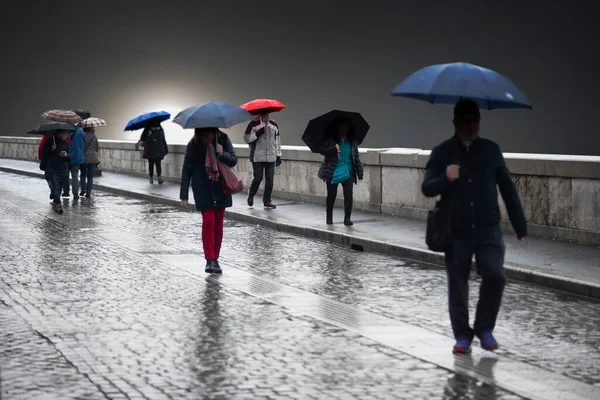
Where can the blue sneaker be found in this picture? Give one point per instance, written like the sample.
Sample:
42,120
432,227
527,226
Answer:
462,346
487,340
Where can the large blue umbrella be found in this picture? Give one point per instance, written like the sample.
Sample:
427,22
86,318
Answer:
215,114
449,83
143,120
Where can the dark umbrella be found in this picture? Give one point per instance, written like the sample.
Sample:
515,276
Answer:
143,120
450,83
82,112
318,128
51,127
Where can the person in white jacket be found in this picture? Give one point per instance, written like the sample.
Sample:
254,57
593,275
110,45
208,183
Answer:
262,134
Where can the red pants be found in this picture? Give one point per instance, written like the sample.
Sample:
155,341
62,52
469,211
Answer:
212,232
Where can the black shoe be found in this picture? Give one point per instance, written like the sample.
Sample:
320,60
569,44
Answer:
76,197
82,193
250,201
66,195
51,196
348,221
209,267
329,219
88,195
151,180
216,267
160,181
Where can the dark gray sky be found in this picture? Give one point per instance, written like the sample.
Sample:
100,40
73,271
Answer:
123,58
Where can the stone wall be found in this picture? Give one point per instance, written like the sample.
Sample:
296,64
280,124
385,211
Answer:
560,193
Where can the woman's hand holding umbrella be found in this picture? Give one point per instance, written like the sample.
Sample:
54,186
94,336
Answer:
219,149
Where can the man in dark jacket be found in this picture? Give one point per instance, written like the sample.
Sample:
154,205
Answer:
467,170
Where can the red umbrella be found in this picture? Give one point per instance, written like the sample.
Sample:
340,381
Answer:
267,105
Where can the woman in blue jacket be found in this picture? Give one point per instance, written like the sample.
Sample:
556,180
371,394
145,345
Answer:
207,147
78,140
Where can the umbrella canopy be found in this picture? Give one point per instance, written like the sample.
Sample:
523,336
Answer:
212,115
65,116
143,120
449,83
266,105
92,122
318,128
82,112
51,127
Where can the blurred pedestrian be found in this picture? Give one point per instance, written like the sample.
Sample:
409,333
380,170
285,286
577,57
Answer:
90,161
78,141
262,134
207,147
155,148
466,171
56,153
341,153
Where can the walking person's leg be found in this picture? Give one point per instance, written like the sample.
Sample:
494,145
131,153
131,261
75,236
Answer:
58,188
208,238
65,185
458,267
219,221
151,169
83,179
158,163
489,257
269,179
258,172
330,202
89,170
348,186
75,180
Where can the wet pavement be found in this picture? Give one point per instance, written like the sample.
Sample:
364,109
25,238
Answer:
109,301
546,258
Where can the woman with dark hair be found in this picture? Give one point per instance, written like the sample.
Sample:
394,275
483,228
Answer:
155,148
340,151
207,147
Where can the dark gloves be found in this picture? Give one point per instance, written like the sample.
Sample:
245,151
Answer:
260,132
278,162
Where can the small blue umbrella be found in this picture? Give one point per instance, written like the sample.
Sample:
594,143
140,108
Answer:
143,120
449,83
214,114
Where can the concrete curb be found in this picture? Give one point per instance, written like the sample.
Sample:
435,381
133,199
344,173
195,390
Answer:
362,242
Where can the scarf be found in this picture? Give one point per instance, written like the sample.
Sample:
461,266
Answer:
210,162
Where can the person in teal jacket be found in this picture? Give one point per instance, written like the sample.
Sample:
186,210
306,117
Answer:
78,140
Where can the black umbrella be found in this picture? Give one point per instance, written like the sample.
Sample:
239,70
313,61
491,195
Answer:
82,112
319,128
51,127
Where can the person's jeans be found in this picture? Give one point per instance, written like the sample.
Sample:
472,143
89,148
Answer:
75,168
87,177
260,170
489,252
212,232
151,163
332,190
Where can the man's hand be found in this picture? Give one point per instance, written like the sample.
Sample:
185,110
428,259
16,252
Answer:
452,172
337,147
54,147
63,154
219,149
278,162
258,127
184,203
